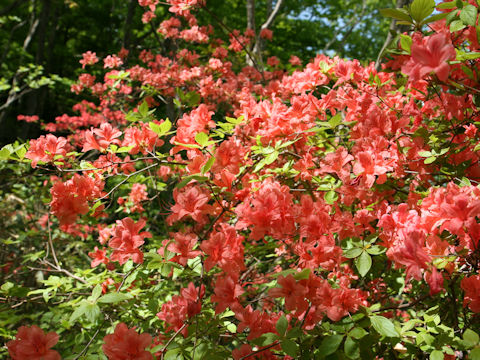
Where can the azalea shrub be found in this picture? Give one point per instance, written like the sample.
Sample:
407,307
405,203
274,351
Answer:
196,207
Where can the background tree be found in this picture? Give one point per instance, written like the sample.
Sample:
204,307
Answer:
41,42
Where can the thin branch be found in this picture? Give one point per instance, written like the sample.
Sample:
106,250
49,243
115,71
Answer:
261,350
12,6
90,341
272,16
125,180
351,25
252,58
104,319
171,339
51,242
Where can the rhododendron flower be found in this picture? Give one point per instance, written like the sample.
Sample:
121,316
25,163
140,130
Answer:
46,148
293,292
295,61
369,165
112,61
137,195
191,201
256,321
237,41
266,34
471,286
188,304
410,252
429,54
89,58
224,249
100,139
28,118
127,239
70,199
268,211
98,256
227,291
183,245
273,61
141,139
31,343
127,344
181,7
148,16
199,120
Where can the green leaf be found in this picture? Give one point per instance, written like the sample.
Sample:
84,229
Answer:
351,348
282,325
398,14
447,5
92,311
4,154
330,197
436,355
208,164
335,120
363,263
161,129
290,347
295,333
21,151
114,297
425,153
474,354
330,344
189,178
470,338
95,207
376,250
357,333
420,9
143,109
405,42
233,120
270,158
435,18
302,275
97,291
79,311
173,354
352,253
430,160
383,326
188,146
265,339
469,15
202,139
7,286
462,55
166,126
457,25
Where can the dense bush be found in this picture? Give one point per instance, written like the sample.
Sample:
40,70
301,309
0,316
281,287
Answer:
199,208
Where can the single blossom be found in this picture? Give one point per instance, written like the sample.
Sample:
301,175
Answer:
31,343
430,54
127,344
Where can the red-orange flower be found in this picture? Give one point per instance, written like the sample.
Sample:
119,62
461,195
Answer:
31,343
430,54
126,344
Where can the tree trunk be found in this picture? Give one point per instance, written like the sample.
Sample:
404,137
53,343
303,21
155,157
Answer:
250,25
127,29
257,49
